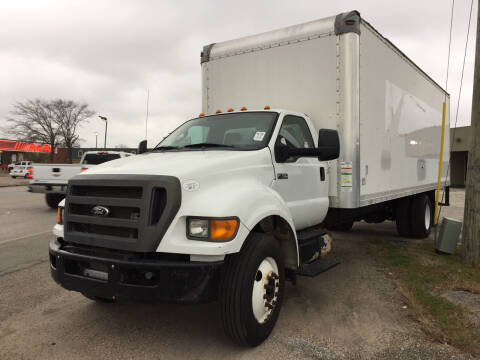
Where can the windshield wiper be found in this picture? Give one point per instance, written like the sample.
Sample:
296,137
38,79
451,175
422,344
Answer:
165,148
200,145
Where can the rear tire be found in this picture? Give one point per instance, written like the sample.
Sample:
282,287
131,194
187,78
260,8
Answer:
403,217
251,290
13,177
345,227
421,216
53,199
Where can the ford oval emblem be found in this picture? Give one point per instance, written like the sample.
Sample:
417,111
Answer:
100,211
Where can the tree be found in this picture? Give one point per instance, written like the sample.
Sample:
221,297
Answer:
471,224
68,115
34,121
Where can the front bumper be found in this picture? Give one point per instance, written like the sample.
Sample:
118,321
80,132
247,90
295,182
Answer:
134,278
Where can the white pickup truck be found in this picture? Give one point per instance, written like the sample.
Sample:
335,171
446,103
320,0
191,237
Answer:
234,202
52,179
22,169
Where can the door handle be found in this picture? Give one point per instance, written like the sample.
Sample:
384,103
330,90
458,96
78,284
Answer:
282,176
322,174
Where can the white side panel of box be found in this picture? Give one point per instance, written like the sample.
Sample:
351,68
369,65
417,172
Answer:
400,123
299,76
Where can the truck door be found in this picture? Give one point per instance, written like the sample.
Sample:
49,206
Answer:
302,182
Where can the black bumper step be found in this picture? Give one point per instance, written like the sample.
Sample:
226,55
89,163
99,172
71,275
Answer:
317,267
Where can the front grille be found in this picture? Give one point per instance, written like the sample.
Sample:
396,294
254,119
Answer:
133,192
104,230
125,212
118,212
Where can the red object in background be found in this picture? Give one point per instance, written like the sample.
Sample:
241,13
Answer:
13,145
30,173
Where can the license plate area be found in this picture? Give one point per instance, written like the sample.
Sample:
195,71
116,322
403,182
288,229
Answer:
94,270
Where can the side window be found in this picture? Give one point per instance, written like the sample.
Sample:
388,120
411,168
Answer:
295,133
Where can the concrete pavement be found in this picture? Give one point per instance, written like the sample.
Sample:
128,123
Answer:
351,312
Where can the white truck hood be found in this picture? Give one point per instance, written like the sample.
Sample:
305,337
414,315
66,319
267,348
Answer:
185,164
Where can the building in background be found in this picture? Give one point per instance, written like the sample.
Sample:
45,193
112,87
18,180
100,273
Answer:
460,139
12,151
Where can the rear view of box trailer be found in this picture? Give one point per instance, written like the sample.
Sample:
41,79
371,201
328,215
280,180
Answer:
344,75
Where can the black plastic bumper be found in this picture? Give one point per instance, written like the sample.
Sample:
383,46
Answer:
143,280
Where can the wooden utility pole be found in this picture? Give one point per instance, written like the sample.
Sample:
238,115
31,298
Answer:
471,224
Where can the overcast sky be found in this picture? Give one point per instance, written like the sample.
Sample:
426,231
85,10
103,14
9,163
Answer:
108,53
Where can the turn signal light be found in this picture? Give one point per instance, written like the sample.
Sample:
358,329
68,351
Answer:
218,111
230,110
201,114
223,229
243,108
267,107
60,216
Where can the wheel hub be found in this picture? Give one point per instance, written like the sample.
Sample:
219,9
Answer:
265,290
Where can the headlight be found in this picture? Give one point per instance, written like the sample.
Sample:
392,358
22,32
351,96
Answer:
212,229
60,215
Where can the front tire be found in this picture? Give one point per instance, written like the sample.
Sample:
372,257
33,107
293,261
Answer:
99,299
251,290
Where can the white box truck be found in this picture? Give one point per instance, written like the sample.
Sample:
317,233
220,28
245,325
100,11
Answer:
234,202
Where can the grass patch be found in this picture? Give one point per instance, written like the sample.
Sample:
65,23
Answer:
422,276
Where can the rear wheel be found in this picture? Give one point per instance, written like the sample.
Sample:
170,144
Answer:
421,216
53,199
345,226
251,290
403,217
13,177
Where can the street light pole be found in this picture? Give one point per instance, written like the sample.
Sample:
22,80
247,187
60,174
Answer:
106,122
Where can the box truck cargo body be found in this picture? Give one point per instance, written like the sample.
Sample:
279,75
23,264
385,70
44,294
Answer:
303,129
387,111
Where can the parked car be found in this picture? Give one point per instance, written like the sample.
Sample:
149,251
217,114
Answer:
24,171
52,179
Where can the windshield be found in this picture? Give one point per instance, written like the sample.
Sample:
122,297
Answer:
247,131
96,159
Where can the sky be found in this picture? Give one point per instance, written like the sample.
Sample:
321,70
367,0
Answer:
108,53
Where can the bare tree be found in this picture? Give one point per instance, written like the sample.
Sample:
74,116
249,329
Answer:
68,115
34,121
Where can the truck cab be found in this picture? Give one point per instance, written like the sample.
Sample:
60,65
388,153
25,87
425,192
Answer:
225,189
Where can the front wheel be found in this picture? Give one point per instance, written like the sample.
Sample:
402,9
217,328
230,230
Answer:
99,299
251,290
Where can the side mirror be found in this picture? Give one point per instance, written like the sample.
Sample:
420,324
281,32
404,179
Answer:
328,144
328,148
142,147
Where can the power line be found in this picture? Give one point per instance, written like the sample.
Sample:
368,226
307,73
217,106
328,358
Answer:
460,89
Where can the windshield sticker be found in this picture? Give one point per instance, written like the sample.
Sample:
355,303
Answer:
259,135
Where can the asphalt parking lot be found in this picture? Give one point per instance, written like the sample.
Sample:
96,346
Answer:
351,312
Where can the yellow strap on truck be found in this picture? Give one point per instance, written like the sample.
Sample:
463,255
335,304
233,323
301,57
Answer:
440,163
